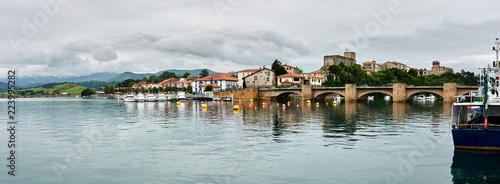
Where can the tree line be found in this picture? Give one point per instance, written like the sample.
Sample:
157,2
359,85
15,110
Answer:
342,74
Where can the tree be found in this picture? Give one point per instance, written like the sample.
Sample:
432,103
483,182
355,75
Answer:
204,73
186,75
87,92
208,88
168,75
278,68
112,89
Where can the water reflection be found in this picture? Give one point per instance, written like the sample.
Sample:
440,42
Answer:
475,167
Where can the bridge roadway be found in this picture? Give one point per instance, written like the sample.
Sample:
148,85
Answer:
399,92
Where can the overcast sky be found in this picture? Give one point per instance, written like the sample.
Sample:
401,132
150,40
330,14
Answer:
72,37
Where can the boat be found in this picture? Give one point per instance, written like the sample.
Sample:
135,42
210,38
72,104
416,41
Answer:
476,117
161,97
181,96
150,97
140,97
371,98
421,97
430,97
130,98
387,98
338,98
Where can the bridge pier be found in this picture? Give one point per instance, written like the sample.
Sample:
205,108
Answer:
307,92
351,93
399,92
449,92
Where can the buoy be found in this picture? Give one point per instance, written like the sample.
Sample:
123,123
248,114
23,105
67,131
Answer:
317,103
308,101
178,103
236,107
255,108
222,102
251,100
201,102
277,104
271,107
326,104
297,105
334,102
288,103
283,106
204,106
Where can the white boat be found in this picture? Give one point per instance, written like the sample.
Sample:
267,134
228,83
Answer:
150,97
140,97
338,98
421,97
387,98
161,97
181,96
130,98
430,97
371,98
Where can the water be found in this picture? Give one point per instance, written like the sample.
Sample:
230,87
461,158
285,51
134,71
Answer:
73,140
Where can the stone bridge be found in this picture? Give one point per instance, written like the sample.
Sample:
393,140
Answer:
352,92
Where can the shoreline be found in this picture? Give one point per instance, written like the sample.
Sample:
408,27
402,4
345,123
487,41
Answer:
40,96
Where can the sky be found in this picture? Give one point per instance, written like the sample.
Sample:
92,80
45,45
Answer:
74,38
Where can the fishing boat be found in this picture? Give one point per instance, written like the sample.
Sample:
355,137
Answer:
476,117
130,98
140,97
150,97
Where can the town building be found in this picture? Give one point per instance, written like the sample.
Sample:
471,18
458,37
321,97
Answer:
244,73
290,79
436,69
193,77
291,69
261,78
225,82
349,58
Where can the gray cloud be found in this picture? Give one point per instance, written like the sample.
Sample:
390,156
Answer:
84,37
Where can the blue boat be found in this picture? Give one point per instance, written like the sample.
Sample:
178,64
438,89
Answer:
476,117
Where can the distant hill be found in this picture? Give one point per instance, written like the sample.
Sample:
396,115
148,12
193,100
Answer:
26,82
131,75
3,86
96,84
52,88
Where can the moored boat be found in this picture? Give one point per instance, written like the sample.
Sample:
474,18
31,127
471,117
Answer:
150,97
140,97
371,98
430,97
161,97
130,98
387,98
421,97
476,118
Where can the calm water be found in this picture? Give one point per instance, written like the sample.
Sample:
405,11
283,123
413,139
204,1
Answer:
73,140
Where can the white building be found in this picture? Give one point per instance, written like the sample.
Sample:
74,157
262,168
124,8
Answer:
225,82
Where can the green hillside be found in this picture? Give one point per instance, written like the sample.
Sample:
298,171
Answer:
50,89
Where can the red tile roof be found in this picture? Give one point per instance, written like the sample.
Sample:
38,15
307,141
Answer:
217,76
249,70
289,66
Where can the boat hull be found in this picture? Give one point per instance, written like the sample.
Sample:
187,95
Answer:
476,139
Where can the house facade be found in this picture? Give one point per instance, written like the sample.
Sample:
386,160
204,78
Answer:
261,78
290,79
244,73
225,82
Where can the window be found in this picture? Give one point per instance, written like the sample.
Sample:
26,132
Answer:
255,78
296,79
248,83
268,73
267,79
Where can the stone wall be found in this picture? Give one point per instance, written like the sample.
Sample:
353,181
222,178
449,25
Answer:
241,94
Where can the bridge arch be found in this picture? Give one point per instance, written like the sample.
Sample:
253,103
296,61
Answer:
284,95
365,94
411,95
324,94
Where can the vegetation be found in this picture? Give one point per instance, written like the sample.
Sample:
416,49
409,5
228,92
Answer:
87,92
186,75
204,73
278,68
209,88
342,74
50,89
96,84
